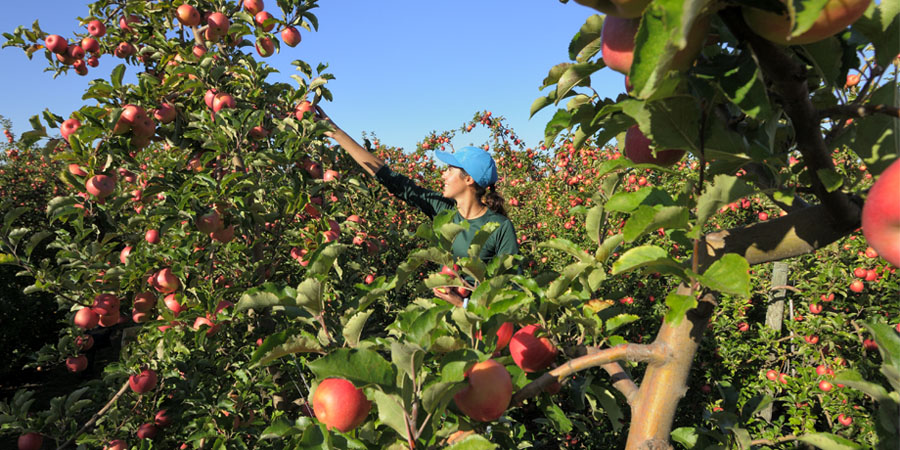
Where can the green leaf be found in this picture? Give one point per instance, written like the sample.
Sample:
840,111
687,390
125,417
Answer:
686,436
309,295
629,201
647,218
853,379
730,274
408,357
14,214
828,441
888,342
359,366
116,76
35,240
558,418
804,14
324,257
567,246
473,442
576,75
613,323
593,222
265,296
881,26
723,190
678,306
284,343
391,412
279,428
645,255
876,136
743,84
610,405
608,246
586,43
438,395
830,179
354,328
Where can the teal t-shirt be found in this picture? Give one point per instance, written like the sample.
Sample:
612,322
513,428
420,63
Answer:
501,242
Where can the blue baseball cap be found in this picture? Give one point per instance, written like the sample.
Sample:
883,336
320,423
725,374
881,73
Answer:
475,161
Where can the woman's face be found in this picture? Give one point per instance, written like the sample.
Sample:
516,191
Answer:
454,184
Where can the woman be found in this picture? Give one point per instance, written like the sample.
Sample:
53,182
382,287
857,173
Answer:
468,187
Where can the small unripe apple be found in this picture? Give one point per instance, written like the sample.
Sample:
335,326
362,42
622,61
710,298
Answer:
488,392
188,15
56,44
339,404
290,36
96,28
143,382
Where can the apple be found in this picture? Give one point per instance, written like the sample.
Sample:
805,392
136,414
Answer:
290,36
105,304
199,51
201,321
96,28
84,343
30,441
218,24
123,255
529,352
783,378
869,344
144,301
772,374
834,18
617,43
86,319
143,382
162,418
188,15
811,339
221,101
75,52
209,97
165,113
504,334
871,253
618,8
125,22
339,404
56,44
815,308
258,132
108,320
166,281
68,127
487,393
90,45
223,235
857,286
881,215
253,6
76,364
852,80
173,304
330,175
152,236
265,46
825,386
763,216
124,50
845,420
260,18
860,272
147,431
76,170
93,61
369,279
303,107
637,149
209,222
117,444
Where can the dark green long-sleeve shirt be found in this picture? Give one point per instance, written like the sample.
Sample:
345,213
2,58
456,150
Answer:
501,242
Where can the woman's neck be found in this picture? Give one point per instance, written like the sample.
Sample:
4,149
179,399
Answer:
470,208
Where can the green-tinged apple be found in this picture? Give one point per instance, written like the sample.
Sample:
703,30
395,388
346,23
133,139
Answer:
339,404
836,16
487,393
265,46
530,353
143,382
618,8
881,215
637,149
290,36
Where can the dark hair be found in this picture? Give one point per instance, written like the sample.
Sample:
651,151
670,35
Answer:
489,196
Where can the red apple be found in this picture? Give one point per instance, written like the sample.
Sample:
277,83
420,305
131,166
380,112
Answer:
172,303
265,46
125,22
530,353
369,279
124,50
96,28
835,17
487,393
852,80
772,374
618,8
84,343
845,420
68,127
166,281
857,286
30,441
165,113
162,418
188,15
90,45
815,308
617,43
76,170
330,175
123,255
504,334
117,444
209,97
152,236
637,149
260,18
223,235
881,215
339,404
253,6
825,386
147,431
222,101
303,107
76,364
143,382
290,36
210,222
218,23
56,44
144,301
86,319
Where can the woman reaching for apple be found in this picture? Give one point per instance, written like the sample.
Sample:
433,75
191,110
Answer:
469,187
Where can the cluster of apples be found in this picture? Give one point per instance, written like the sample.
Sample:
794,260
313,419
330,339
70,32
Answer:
217,25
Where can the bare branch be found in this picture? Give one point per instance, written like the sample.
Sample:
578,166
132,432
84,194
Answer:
96,416
621,381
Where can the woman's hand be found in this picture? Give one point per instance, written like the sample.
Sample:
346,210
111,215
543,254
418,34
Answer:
448,295
322,117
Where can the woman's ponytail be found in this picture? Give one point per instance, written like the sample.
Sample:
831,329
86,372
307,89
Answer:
491,198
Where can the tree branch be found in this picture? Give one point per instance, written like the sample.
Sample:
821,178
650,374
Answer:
621,381
97,416
857,111
656,352
797,233
789,80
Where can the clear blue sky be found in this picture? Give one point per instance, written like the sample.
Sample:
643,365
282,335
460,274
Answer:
403,68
